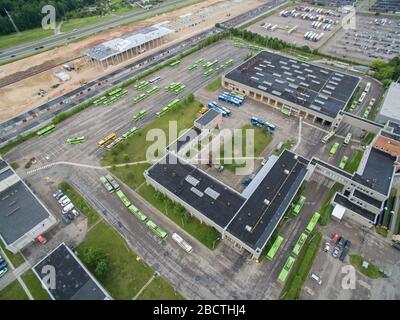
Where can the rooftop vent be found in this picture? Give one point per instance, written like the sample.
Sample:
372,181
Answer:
286,171
267,202
248,228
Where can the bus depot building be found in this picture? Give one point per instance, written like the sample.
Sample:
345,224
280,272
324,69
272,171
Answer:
293,87
23,217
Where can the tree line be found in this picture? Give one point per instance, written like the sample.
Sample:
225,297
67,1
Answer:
27,14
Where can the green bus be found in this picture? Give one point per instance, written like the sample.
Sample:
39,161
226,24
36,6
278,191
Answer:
156,229
299,244
139,115
123,198
229,62
106,184
163,111
193,67
47,130
175,63
137,213
343,162
286,269
76,140
152,91
141,85
129,133
299,205
140,98
198,61
313,222
334,149
208,72
274,249
174,103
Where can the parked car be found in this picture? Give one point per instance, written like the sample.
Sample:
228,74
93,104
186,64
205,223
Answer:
335,252
340,242
2,272
3,265
347,244
316,278
66,219
62,199
75,212
1,258
41,239
68,208
70,216
344,254
65,202
264,161
57,194
334,239
327,247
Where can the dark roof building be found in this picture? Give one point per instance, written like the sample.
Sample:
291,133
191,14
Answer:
248,218
292,83
22,215
72,279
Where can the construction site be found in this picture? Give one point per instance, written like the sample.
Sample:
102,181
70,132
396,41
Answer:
35,82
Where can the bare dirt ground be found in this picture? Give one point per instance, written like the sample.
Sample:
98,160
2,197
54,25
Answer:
23,96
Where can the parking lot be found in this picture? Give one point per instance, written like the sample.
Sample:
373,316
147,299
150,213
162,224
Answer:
333,272
373,38
298,21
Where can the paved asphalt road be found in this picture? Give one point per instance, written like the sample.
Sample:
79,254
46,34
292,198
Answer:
63,38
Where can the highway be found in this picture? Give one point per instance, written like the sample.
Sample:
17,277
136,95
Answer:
23,123
63,38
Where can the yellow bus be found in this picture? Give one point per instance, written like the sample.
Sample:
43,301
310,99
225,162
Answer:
110,138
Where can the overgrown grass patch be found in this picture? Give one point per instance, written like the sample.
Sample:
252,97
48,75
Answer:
214,85
16,259
80,203
371,272
202,232
128,274
327,208
160,289
354,162
13,291
35,286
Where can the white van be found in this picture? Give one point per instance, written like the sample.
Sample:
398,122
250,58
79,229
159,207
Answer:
65,202
316,278
68,207
62,199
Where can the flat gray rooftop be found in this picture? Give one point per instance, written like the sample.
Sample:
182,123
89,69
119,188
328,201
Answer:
316,88
206,118
390,107
20,211
73,281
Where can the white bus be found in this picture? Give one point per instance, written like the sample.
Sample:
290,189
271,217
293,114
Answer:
347,139
328,137
182,243
367,87
362,97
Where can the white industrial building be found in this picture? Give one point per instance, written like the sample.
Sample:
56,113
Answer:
23,217
128,46
390,110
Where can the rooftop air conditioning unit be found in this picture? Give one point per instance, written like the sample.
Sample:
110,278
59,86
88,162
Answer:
267,202
248,228
286,171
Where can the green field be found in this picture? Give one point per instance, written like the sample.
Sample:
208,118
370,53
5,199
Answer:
202,232
327,208
301,268
16,259
78,23
261,140
80,203
159,289
34,286
127,275
355,160
13,291
372,271
15,39
214,85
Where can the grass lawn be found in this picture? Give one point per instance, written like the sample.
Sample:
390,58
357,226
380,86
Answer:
34,286
15,39
327,208
13,291
301,268
78,23
16,259
352,165
372,271
397,223
80,203
202,232
134,149
261,140
127,275
160,289
287,145
214,85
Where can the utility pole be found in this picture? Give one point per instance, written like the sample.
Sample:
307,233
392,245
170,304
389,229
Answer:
12,21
